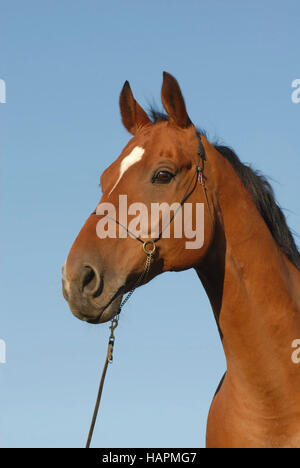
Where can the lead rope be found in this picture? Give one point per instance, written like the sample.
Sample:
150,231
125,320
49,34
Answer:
149,248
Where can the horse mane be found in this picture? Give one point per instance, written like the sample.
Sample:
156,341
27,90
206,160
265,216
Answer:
261,192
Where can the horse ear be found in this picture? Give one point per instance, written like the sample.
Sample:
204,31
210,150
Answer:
133,116
173,101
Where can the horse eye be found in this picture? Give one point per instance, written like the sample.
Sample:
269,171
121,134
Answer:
162,177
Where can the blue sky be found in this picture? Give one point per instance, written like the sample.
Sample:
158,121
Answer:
64,64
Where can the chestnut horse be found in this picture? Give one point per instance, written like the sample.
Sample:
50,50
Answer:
249,266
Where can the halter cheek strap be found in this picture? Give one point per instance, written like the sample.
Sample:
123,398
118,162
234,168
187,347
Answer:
200,170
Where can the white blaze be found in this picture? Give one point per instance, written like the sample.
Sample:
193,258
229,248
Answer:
132,158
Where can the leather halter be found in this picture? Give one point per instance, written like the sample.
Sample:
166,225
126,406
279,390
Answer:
149,248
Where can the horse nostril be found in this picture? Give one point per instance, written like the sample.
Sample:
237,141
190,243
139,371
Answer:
91,281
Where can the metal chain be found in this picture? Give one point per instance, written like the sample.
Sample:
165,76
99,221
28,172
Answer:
139,281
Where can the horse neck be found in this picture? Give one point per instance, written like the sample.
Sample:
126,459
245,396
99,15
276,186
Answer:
253,288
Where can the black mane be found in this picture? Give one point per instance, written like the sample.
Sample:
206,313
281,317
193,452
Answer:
261,193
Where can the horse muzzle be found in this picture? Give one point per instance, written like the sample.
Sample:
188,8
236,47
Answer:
84,292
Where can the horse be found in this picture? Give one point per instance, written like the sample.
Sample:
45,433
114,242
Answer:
248,264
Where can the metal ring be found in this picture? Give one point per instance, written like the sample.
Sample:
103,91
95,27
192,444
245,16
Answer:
151,250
